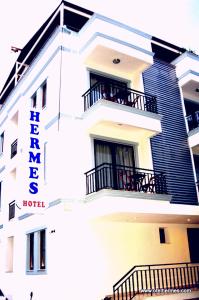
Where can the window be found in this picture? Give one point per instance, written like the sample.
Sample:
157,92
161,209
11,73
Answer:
36,251
39,98
9,254
0,193
34,100
162,235
1,142
13,148
11,210
43,94
45,162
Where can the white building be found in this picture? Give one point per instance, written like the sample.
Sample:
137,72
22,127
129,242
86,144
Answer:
94,185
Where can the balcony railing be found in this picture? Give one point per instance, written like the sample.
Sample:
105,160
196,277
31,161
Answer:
119,94
13,148
193,120
119,177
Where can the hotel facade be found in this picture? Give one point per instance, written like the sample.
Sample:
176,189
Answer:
99,163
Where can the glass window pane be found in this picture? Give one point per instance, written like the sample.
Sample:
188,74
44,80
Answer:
31,251
42,249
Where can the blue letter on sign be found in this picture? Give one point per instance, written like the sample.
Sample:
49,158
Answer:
34,158
33,173
33,188
34,116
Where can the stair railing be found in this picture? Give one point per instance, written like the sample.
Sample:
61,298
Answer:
157,279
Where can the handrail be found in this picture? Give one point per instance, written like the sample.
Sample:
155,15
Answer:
113,92
156,278
122,177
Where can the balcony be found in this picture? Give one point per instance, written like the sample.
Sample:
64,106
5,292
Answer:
118,177
193,134
120,111
103,39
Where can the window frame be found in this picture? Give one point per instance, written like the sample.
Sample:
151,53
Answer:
11,214
34,100
0,193
163,235
36,252
44,94
1,142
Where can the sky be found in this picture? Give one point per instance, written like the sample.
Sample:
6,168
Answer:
176,21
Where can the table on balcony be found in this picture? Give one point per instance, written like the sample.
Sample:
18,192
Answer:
122,97
134,182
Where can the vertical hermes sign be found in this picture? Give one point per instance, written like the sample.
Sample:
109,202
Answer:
32,196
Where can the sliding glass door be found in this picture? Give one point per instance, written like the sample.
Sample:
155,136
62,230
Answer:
111,161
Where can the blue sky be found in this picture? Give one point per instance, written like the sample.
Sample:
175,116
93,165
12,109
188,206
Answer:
176,21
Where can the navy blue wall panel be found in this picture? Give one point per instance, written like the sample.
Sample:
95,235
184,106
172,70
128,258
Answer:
170,149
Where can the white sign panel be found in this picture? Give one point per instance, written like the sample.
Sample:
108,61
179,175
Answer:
31,196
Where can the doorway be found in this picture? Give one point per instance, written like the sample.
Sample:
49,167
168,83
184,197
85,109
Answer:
111,160
193,239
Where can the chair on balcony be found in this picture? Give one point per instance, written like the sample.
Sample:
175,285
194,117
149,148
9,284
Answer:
151,186
134,103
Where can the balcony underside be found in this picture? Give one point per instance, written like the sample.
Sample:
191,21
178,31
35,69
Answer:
190,84
132,62
193,139
124,206
114,120
187,70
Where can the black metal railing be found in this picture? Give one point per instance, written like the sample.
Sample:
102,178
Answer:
11,213
193,120
119,177
13,148
119,94
154,279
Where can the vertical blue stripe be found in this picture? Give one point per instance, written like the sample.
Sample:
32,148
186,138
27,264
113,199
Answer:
170,150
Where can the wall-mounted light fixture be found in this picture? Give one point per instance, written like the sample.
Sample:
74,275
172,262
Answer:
116,61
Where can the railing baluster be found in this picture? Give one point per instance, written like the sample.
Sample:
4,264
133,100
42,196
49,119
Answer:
191,277
122,292
154,282
126,290
129,284
150,280
188,276
133,285
166,278
137,282
184,275
170,279
174,279
162,276
195,276
177,279
141,279
158,276
146,281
